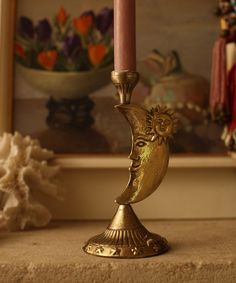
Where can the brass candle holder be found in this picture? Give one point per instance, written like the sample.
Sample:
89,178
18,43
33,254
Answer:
126,237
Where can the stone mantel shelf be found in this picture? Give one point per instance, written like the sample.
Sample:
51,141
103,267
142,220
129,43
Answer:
202,252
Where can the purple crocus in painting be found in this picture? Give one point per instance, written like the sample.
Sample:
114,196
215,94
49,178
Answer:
26,27
43,30
88,13
72,46
104,20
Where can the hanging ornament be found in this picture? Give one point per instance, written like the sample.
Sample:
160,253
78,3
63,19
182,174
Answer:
223,79
218,93
229,134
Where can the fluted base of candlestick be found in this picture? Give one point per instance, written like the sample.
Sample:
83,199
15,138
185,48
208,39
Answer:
126,237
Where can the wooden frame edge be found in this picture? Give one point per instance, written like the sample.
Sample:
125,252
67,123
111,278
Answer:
8,10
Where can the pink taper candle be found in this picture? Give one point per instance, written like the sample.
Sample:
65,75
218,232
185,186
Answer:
124,35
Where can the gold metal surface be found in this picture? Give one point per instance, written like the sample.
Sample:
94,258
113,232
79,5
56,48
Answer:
150,150
126,237
125,82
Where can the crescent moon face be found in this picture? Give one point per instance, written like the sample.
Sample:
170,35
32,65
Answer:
149,153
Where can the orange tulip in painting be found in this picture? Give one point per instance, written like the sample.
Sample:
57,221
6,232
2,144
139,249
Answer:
47,59
96,53
83,24
61,16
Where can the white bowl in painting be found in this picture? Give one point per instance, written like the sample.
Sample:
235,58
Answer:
66,85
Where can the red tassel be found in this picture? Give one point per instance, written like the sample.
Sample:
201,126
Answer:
229,134
232,98
218,93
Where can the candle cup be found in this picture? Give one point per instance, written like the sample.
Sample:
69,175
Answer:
125,82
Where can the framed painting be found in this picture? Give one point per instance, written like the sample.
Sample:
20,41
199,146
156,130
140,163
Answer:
56,59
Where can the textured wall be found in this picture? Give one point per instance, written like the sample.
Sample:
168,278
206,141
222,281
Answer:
184,193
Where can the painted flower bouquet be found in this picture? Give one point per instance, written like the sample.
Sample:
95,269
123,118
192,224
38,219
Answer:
66,43
67,57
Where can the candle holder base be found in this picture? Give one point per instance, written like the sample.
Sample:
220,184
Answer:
126,237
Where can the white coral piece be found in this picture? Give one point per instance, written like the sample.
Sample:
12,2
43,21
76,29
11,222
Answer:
25,168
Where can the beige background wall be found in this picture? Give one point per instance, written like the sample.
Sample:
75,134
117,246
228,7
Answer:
185,193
